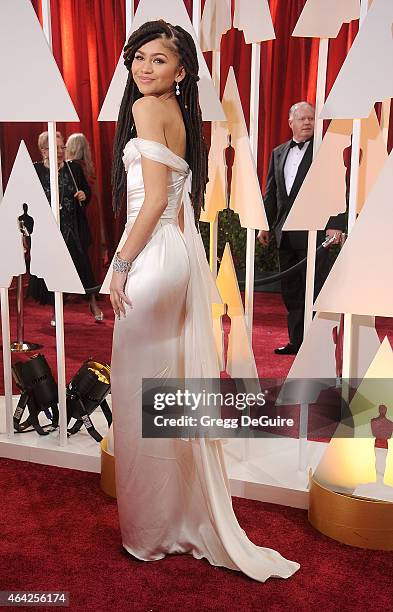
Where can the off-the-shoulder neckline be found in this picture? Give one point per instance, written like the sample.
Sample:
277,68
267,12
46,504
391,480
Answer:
162,145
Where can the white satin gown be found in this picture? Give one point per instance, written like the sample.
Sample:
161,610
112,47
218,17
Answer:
173,495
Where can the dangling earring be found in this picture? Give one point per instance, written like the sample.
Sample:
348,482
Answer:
177,89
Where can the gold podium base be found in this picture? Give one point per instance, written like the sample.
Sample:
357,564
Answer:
108,483
366,523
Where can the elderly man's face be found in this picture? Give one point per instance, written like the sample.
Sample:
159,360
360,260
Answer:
302,123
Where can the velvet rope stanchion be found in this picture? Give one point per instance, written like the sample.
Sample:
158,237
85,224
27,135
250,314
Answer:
259,282
365,523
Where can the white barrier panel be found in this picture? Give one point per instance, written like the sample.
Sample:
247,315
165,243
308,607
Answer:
216,20
253,17
366,75
33,88
321,19
360,280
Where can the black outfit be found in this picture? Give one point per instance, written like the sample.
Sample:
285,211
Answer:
73,225
292,245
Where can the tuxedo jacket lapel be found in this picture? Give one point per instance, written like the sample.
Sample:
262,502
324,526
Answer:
301,171
281,164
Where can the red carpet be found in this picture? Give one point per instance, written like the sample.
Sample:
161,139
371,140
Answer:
84,338
74,545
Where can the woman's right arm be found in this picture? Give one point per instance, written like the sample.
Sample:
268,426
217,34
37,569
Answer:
149,122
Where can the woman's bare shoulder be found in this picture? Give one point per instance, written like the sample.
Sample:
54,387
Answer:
146,104
149,117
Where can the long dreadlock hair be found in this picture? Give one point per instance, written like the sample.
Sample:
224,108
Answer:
196,152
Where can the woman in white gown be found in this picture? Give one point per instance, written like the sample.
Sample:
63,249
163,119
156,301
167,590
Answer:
173,495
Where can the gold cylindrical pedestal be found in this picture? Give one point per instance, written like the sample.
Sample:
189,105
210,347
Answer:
108,483
366,523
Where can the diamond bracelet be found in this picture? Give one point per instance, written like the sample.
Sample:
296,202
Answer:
121,265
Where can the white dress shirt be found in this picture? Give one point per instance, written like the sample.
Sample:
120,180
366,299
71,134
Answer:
292,163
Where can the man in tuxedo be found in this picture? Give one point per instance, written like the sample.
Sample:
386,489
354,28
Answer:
288,167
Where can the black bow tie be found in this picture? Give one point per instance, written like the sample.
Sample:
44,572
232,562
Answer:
297,144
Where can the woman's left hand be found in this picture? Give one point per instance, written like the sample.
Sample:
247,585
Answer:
80,195
117,296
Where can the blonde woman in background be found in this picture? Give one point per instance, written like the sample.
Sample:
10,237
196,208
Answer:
78,149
